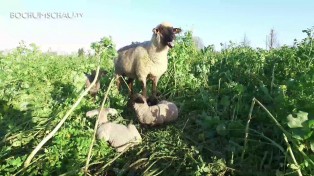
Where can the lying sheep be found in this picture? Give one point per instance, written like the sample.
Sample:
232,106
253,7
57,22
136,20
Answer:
90,78
158,114
146,60
119,136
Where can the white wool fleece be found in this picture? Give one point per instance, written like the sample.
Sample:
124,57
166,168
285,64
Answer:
147,59
119,136
161,113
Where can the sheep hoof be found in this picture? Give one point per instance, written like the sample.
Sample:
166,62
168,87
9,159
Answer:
152,100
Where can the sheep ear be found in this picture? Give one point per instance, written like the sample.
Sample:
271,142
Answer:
139,100
155,30
176,30
102,72
93,73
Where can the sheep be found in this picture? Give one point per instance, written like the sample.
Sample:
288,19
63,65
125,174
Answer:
119,136
161,113
147,59
90,78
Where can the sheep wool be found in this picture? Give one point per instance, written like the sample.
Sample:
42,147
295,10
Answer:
161,113
146,59
119,136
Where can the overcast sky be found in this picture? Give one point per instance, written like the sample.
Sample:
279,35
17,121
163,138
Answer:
214,21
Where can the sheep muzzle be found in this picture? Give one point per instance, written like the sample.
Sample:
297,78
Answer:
170,44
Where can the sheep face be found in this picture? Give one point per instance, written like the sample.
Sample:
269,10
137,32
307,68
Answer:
101,73
139,99
102,114
165,34
92,76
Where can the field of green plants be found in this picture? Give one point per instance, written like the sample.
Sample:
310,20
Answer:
243,111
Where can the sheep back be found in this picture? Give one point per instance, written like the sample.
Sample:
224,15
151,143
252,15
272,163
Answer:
119,136
143,113
164,112
140,60
129,58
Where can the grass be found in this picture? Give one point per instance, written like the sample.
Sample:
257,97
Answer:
219,131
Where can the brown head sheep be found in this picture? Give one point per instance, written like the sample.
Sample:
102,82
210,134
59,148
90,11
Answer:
148,59
119,136
90,78
163,112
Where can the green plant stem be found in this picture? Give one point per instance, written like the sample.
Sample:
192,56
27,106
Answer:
292,155
270,140
247,129
23,169
50,135
111,161
71,172
284,131
263,160
272,117
96,126
272,79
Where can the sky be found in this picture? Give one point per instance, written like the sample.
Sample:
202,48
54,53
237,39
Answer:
214,21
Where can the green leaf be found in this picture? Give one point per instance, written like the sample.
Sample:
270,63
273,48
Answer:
311,123
16,144
17,162
302,133
312,145
221,129
296,122
279,173
293,166
225,101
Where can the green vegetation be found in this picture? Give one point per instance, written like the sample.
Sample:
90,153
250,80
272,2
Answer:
243,111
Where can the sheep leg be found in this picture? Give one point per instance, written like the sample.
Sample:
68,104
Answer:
144,91
130,84
154,85
118,81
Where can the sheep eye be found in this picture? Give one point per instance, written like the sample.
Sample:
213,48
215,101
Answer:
176,30
155,30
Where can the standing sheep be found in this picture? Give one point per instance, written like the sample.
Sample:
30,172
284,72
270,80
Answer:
146,60
163,112
119,136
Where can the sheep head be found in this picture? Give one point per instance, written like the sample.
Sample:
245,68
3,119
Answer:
165,34
142,110
101,73
102,114
91,77
139,99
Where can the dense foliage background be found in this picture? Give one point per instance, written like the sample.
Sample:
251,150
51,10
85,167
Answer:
214,91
